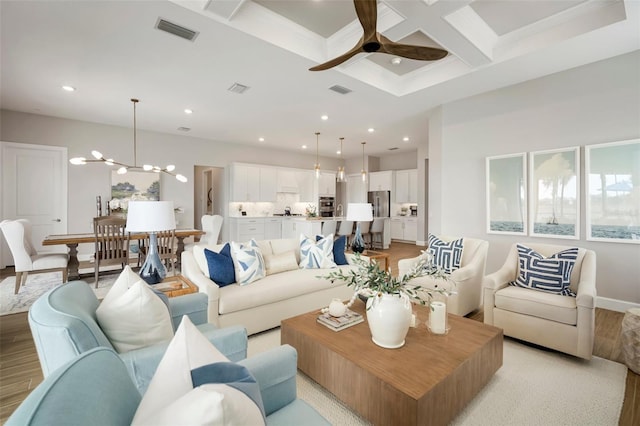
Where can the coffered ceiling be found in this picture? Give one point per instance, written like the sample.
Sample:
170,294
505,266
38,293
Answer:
111,51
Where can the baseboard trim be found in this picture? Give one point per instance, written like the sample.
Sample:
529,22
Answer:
615,304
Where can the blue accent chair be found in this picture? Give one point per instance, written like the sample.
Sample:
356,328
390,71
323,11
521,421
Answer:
95,389
64,325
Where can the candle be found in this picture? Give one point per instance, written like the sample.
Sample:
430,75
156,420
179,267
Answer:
438,317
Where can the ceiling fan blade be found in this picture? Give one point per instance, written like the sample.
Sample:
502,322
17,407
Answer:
340,59
367,11
421,53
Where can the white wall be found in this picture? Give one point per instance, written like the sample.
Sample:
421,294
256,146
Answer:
86,182
592,104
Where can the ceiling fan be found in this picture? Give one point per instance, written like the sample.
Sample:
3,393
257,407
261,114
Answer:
372,41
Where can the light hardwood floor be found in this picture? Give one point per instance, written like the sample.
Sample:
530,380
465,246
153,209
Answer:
20,370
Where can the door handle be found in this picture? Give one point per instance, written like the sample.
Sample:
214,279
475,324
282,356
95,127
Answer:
56,220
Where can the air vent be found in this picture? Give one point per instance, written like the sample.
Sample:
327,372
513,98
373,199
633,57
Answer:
184,129
176,29
238,88
340,89
393,149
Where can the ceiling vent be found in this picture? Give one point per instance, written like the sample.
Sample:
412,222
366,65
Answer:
184,129
238,88
340,89
393,149
176,29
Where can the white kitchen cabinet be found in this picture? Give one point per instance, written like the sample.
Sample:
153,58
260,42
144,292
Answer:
245,183
244,229
356,190
327,184
288,228
381,181
286,181
268,184
404,228
306,183
397,229
272,228
406,186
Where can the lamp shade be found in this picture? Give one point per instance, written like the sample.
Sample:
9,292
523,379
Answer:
360,212
150,216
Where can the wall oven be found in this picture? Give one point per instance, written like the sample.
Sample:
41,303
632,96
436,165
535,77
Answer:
326,206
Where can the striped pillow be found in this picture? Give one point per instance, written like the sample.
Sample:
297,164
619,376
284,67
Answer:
551,274
446,255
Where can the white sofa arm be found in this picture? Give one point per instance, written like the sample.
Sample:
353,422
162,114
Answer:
405,265
191,270
494,282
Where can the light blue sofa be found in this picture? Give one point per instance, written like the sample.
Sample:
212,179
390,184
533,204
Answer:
63,323
95,389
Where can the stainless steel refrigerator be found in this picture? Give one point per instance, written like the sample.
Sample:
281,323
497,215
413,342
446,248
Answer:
381,202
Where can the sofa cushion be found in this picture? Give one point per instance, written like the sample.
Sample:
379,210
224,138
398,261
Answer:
248,262
275,288
134,317
551,274
538,304
339,247
195,384
221,268
446,255
316,254
282,262
201,259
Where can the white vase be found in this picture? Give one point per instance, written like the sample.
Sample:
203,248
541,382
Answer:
389,318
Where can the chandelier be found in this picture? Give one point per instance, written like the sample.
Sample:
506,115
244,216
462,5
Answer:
99,158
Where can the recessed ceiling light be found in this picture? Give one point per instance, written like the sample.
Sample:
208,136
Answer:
371,130
188,111
69,88
338,152
406,139
396,61
304,147
325,117
261,139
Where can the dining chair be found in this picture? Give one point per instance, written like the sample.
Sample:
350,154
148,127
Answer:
166,249
112,243
211,225
26,259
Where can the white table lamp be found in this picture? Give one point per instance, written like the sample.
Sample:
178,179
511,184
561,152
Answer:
151,217
359,212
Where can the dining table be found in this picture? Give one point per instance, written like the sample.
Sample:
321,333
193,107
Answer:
72,241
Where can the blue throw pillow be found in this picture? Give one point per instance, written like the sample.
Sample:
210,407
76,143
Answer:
339,247
551,274
220,265
446,255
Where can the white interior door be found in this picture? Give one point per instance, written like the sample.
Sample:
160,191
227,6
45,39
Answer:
34,187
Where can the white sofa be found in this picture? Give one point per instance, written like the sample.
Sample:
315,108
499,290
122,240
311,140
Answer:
466,281
262,304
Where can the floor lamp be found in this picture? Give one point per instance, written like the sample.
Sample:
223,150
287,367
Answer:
151,217
359,212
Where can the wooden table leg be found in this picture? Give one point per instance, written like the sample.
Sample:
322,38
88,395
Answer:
73,264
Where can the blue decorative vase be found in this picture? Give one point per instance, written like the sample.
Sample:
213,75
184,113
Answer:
153,270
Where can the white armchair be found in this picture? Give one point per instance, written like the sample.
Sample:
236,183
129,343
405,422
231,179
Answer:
25,258
466,281
563,323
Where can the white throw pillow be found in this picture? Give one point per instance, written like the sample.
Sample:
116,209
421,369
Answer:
316,254
248,262
133,316
276,263
171,398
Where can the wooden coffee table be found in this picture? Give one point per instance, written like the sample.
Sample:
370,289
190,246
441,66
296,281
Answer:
428,381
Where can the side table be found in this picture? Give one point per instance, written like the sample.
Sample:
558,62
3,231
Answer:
176,285
377,256
631,339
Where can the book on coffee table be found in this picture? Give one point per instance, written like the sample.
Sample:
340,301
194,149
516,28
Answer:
340,323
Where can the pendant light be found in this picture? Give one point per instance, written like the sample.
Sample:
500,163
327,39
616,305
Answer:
340,177
98,157
363,172
316,168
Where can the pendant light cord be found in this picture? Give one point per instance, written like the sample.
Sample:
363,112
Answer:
135,142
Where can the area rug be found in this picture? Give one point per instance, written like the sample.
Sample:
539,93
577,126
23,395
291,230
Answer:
37,285
533,387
